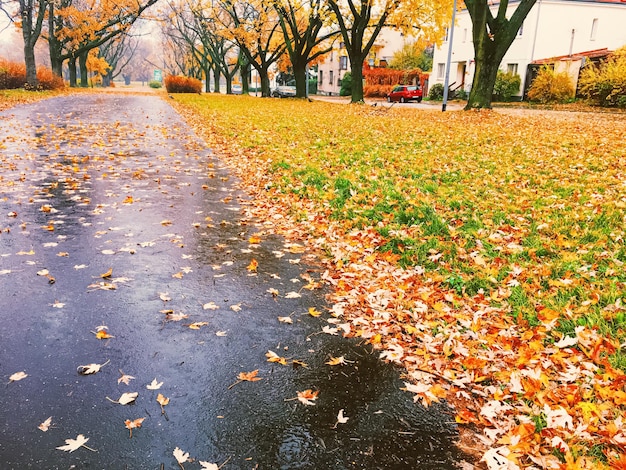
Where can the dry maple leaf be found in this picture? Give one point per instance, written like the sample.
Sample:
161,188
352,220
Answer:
163,401
107,274
208,465
164,296
247,377
236,307
91,368
254,240
154,385
285,320
314,312
197,325
341,419
18,376
176,316
46,424
273,357
103,334
125,378
210,306
307,397
125,398
130,425
252,267
180,456
292,295
72,444
336,361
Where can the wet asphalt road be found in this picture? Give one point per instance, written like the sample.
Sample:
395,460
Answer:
97,183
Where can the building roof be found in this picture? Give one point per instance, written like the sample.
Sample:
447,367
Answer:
595,54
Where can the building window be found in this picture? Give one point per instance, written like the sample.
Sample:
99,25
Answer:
330,80
441,70
445,37
339,81
343,62
321,77
594,29
511,68
520,31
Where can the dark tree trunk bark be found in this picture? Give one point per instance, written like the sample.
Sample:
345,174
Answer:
56,62
207,81
492,37
300,75
265,82
216,80
245,78
357,79
71,65
84,73
31,66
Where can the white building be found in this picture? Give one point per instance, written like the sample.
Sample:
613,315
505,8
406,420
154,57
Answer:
553,28
330,71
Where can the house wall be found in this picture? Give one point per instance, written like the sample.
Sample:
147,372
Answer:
336,64
552,28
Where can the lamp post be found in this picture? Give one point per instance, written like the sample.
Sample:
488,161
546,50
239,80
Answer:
447,77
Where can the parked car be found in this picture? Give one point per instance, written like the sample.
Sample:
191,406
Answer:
237,89
284,92
405,93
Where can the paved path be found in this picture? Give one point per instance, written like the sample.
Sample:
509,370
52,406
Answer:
115,219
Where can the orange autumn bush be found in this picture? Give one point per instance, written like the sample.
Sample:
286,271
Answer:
13,76
180,84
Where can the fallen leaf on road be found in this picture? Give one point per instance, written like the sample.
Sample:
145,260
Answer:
125,378
285,320
308,396
220,333
90,368
252,267
103,334
273,357
336,361
292,295
162,400
197,325
236,307
125,398
164,296
341,419
46,424
107,274
176,316
72,444
247,377
314,312
210,306
154,385
180,455
208,465
130,425
254,240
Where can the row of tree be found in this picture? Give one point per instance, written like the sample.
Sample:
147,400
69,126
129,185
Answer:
75,30
220,38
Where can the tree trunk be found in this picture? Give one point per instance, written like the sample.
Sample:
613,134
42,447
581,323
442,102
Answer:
31,66
84,73
485,73
71,65
245,78
216,80
265,82
56,62
207,79
357,80
299,72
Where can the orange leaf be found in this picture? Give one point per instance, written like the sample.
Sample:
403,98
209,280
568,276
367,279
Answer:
253,266
249,376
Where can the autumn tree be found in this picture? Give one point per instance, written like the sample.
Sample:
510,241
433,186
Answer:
361,21
30,19
302,23
492,36
256,30
79,26
118,54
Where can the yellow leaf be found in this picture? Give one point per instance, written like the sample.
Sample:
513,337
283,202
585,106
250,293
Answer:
314,312
273,357
107,274
252,267
254,240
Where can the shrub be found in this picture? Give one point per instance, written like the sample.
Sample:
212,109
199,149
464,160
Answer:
180,84
605,84
376,91
506,86
551,87
436,92
346,85
384,76
13,75
155,84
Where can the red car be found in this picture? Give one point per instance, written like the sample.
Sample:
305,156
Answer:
404,93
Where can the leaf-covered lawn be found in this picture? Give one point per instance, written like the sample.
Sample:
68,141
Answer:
10,98
483,251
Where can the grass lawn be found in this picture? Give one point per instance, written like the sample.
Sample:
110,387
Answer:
10,98
483,251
